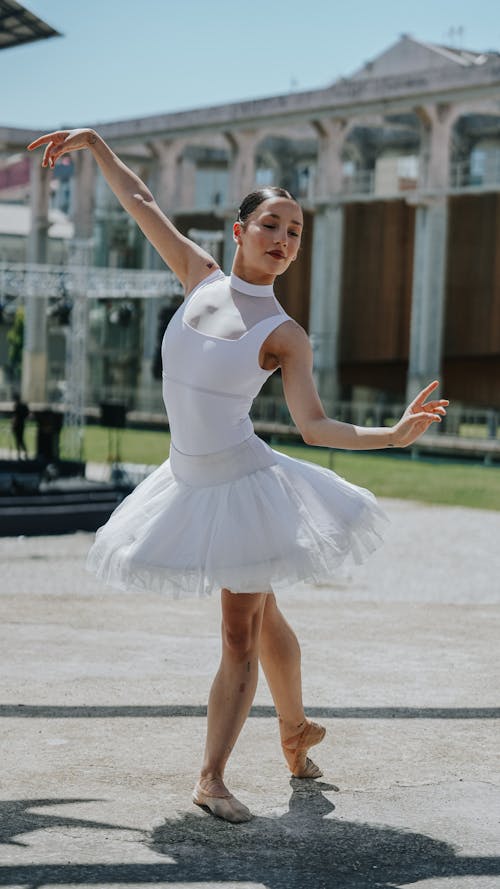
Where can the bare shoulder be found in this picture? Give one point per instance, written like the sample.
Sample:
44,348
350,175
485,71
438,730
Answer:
289,340
204,269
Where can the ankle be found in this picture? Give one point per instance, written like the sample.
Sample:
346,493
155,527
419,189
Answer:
211,774
290,728
213,785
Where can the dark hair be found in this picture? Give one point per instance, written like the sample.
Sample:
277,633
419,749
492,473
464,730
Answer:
252,200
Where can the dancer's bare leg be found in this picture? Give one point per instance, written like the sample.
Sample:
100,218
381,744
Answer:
281,661
230,699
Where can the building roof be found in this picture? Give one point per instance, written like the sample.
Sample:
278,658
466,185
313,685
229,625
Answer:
19,25
409,55
408,74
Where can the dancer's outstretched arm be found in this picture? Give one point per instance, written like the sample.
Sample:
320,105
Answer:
293,350
187,260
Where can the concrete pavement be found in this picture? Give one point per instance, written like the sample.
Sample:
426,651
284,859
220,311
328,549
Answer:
102,705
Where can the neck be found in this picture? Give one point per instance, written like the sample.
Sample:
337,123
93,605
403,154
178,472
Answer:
251,275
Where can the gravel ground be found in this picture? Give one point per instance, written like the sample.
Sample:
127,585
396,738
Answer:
102,725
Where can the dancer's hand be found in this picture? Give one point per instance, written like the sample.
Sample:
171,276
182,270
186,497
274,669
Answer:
418,416
187,260
62,141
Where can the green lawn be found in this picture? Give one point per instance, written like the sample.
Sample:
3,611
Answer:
457,484
135,445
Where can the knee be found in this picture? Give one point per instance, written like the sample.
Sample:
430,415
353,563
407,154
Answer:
240,638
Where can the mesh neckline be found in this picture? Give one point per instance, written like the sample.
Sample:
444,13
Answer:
251,289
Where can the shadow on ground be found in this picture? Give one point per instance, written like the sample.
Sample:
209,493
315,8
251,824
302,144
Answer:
17,818
307,846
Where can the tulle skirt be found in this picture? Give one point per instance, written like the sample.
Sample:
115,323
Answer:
248,518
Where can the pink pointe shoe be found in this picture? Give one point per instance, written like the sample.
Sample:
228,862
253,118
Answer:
296,747
226,807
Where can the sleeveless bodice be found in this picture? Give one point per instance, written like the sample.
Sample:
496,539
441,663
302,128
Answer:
226,511
209,379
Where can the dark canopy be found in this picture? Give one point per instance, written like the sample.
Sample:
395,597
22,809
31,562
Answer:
19,25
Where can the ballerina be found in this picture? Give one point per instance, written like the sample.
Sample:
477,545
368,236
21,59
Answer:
226,511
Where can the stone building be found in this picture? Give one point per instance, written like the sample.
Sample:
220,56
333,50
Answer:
397,168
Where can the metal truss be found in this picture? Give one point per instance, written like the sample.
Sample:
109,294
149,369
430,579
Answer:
73,286
19,281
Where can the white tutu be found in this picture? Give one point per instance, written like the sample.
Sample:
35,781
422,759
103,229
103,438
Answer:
248,518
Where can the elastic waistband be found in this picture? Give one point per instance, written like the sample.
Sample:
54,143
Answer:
206,470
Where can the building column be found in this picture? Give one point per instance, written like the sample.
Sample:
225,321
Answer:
327,254
34,367
186,175
84,195
77,366
429,262
229,245
428,292
164,183
148,394
165,179
326,299
436,129
331,135
242,171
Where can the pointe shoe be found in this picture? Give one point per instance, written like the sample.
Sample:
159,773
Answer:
296,755
227,807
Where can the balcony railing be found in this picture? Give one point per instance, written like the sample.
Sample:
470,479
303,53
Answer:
463,176
368,182
359,182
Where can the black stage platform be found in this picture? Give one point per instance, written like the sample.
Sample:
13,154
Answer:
36,498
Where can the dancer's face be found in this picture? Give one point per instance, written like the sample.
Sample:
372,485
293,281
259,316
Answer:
269,240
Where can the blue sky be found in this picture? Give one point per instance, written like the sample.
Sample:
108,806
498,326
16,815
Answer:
129,58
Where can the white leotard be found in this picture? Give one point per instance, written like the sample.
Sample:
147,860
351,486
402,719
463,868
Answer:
210,355
225,510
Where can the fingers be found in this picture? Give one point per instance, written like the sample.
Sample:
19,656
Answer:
424,415
50,140
436,405
58,136
50,156
37,142
434,408
418,416
424,393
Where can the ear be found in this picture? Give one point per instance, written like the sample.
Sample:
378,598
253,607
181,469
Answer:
237,232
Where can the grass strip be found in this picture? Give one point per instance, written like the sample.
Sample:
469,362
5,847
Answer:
387,474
